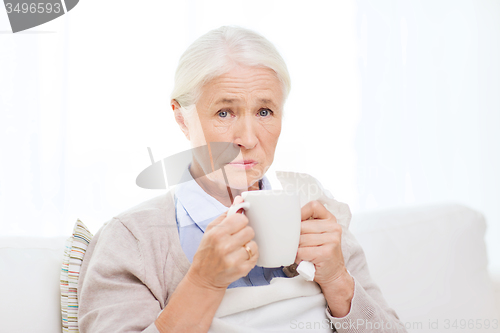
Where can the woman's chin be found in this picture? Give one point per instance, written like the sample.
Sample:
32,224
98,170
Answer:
236,178
241,184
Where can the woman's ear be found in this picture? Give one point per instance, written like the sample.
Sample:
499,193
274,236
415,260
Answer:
180,118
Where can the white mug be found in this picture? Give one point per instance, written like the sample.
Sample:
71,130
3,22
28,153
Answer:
275,217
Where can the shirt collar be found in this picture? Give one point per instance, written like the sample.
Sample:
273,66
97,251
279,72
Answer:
199,205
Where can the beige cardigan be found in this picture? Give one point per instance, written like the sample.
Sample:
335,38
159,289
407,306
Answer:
135,261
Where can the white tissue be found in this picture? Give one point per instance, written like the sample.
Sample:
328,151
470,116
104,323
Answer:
307,270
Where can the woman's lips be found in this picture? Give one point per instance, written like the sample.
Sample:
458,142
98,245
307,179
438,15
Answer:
243,164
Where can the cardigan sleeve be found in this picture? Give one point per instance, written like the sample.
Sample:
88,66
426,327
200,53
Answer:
369,311
113,295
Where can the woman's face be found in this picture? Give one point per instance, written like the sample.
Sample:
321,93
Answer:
244,107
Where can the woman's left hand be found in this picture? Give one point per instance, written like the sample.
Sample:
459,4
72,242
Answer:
320,243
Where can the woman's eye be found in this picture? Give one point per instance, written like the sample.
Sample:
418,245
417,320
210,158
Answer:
223,113
264,112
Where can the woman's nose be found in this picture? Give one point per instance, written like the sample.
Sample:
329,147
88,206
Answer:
245,133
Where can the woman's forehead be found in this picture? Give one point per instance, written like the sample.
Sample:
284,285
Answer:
242,85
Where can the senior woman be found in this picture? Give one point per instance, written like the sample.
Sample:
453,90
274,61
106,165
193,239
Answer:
167,264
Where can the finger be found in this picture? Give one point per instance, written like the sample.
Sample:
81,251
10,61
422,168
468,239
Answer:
308,240
319,227
314,253
234,223
254,251
241,258
239,239
216,221
237,200
248,263
315,210
243,236
233,243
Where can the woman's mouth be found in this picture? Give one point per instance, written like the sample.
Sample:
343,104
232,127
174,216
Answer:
243,164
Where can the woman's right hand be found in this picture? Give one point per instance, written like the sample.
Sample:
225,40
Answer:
221,257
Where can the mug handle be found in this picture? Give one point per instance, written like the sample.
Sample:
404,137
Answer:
233,209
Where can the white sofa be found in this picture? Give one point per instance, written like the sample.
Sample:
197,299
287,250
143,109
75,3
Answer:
430,262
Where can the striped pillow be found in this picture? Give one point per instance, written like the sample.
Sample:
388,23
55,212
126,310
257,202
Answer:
76,245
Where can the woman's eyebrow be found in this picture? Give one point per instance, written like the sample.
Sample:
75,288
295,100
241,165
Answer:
225,100
268,101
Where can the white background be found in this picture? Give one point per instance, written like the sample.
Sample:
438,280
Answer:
393,103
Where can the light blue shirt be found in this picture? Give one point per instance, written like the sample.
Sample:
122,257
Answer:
194,210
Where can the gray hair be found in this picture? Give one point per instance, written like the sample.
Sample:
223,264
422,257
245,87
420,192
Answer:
216,53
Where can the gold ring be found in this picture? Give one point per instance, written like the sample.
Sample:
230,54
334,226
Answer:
249,251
